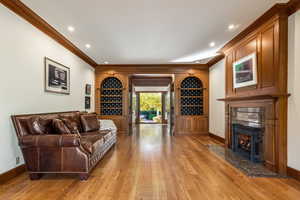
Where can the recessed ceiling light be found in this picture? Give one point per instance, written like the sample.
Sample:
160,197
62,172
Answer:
231,27
106,62
71,28
88,46
212,44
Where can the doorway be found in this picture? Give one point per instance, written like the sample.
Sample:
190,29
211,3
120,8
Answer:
151,100
151,106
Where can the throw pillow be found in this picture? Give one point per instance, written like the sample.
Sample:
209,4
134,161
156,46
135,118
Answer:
35,127
90,122
60,127
72,126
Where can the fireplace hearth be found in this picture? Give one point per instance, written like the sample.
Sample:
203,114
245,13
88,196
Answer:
248,132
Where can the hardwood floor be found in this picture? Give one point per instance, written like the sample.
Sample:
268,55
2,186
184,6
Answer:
152,165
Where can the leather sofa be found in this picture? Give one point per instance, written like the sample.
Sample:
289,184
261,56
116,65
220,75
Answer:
66,142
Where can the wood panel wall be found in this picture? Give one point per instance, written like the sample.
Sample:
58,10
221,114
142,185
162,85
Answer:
191,125
121,121
183,124
266,41
269,42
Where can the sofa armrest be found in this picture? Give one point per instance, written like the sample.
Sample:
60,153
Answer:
69,140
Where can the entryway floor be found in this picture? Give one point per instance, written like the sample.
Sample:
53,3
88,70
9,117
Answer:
152,165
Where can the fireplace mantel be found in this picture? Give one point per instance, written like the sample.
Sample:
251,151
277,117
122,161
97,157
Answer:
254,97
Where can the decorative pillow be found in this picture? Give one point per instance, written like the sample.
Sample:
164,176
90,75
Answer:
35,127
71,125
60,127
90,122
74,117
46,123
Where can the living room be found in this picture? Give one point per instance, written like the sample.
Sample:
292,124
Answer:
224,79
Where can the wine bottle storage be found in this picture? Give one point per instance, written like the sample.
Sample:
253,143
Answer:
111,96
191,96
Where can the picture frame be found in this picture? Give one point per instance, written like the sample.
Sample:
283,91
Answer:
87,102
245,71
88,89
57,77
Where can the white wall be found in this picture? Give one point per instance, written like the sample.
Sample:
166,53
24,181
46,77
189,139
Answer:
294,89
22,52
217,91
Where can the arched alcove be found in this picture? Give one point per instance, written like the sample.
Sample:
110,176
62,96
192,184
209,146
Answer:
111,96
191,96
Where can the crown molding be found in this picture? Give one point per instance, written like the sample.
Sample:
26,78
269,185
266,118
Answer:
215,59
293,6
29,15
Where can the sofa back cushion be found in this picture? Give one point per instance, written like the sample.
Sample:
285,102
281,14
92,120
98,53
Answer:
35,126
60,127
71,125
74,118
89,122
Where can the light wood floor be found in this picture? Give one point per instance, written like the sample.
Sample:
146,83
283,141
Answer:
152,165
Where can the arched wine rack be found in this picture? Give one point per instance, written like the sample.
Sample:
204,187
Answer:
111,96
191,96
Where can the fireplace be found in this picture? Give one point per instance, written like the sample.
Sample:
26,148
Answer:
248,132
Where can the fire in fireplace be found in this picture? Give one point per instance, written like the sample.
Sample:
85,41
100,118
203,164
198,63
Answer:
247,132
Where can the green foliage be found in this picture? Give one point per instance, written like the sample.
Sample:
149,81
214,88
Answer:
150,101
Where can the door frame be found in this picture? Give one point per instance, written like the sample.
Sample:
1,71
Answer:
163,103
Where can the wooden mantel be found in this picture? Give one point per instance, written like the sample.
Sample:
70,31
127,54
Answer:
255,97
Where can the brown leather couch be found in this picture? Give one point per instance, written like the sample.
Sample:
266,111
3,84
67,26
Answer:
49,148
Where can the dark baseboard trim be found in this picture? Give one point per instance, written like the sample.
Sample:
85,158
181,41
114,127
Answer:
294,173
12,173
218,138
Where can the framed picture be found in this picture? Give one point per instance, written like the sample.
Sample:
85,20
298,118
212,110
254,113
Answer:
88,89
245,71
87,104
57,77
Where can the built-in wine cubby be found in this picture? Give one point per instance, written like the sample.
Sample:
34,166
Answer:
111,96
191,96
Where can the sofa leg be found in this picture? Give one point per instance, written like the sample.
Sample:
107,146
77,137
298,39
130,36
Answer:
35,176
84,176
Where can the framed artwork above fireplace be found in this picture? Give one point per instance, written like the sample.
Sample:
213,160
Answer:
245,71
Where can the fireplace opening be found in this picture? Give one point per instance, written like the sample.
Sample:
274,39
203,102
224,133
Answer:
248,133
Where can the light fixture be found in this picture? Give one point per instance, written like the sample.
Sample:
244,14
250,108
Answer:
88,46
231,27
71,28
105,62
212,44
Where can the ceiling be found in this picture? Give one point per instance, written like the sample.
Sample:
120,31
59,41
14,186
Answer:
150,32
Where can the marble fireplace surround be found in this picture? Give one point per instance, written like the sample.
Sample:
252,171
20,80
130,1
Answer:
274,139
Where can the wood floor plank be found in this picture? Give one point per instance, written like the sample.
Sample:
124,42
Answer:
151,165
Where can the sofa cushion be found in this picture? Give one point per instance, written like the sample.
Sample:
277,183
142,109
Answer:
60,127
106,134
74,117
72,126
89,122
92,143
35,127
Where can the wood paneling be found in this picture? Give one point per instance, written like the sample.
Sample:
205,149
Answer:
23,11
185,125
269,42
122,122
192,125
150,69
